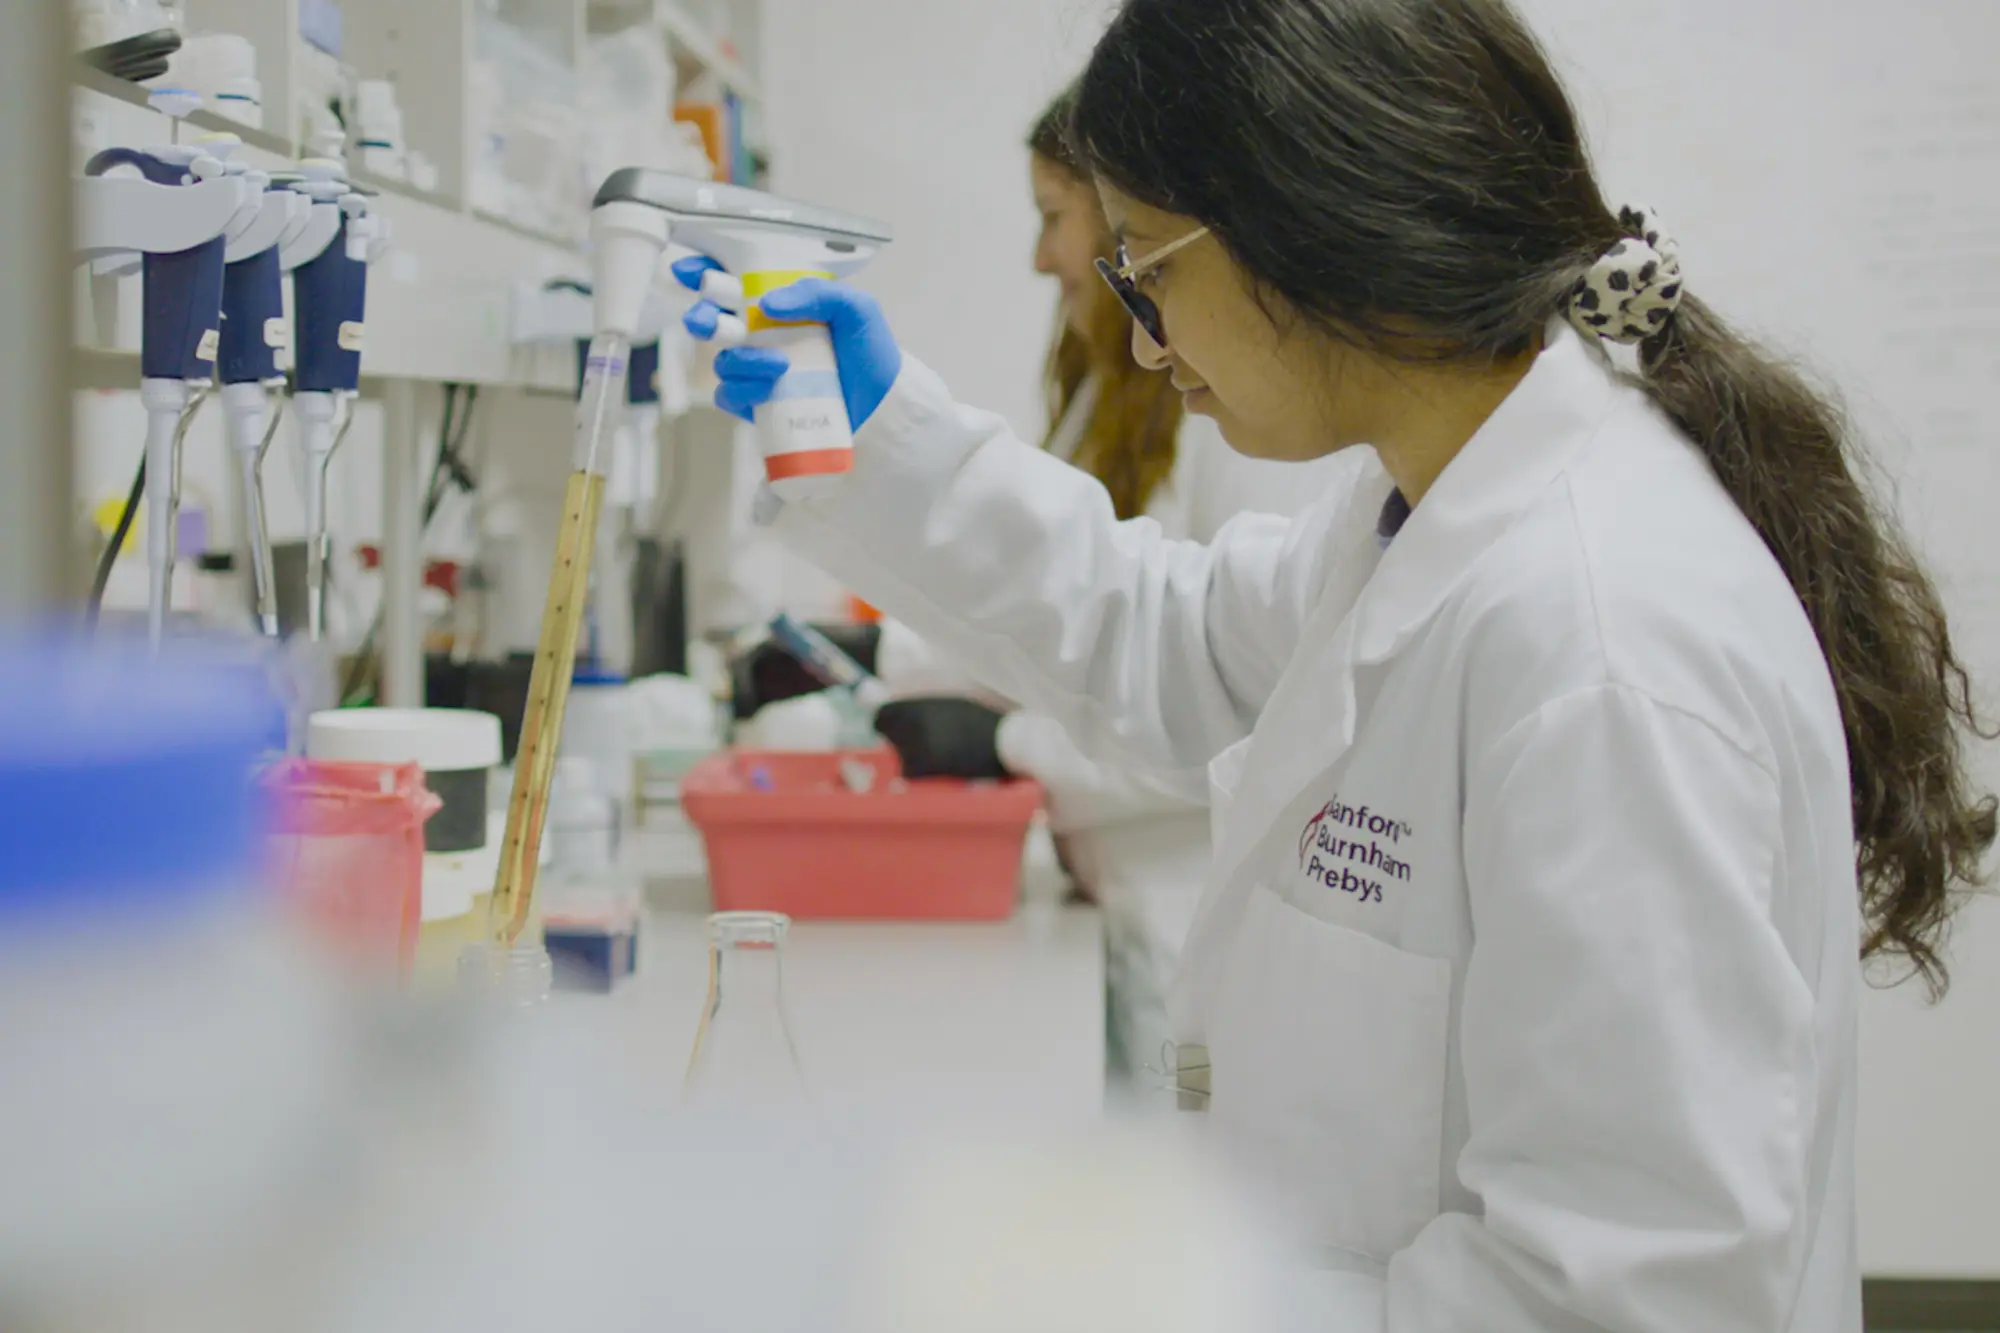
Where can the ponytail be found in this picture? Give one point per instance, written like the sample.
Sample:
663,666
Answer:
1382,168
1780,450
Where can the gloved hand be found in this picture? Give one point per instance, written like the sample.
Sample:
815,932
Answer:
768,674
943,738
863,347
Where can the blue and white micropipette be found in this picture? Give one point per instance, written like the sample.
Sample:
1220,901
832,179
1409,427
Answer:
177,215
253,332
329,307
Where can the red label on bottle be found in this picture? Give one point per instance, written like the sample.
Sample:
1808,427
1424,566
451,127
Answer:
809,463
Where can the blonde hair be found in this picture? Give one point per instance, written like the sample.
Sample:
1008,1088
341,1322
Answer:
1130,442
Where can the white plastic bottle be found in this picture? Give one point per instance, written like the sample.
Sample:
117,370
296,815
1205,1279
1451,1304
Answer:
803,431
582,822
806,438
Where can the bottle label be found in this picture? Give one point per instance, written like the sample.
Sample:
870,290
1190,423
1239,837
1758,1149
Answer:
757,284
809,463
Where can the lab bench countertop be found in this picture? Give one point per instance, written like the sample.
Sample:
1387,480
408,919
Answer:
967,1019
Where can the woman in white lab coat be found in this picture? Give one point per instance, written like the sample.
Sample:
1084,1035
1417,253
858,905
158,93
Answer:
1138,847
1564,764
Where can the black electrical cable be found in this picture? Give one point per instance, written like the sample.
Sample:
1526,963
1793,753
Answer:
444,447
110,557
450,468
449,464
454,460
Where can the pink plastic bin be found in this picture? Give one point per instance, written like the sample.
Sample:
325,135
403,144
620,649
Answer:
784,834
347,852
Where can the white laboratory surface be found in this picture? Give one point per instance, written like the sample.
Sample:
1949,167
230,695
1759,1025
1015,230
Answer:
963,1019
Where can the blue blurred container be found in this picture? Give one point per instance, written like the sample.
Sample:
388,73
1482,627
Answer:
125,784
177,1069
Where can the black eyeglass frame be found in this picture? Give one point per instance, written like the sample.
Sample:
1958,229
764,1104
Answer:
1122,277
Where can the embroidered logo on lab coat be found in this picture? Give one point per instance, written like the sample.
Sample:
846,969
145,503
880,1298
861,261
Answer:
1352,850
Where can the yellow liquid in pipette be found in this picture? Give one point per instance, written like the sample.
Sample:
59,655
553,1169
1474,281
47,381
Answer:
548,694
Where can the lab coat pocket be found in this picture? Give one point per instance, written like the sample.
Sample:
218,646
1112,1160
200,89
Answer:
1328,1053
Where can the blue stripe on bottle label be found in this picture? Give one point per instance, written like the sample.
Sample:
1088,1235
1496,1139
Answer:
806,384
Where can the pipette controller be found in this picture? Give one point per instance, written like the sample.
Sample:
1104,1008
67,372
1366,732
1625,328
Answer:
765,242
636,213
634,449
563,307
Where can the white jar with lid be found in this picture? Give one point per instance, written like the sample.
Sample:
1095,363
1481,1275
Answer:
222,67
458,749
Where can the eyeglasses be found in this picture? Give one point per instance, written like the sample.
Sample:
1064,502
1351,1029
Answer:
1122,278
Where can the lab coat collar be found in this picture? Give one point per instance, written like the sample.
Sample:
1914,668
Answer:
1502,470
1306,725
1309,722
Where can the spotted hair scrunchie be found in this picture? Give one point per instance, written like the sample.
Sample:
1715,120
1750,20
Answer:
1631,293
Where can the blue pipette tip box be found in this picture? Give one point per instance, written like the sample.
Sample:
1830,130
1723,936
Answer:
592,956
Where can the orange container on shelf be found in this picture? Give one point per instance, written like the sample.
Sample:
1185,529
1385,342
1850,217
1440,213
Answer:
709,118
786,833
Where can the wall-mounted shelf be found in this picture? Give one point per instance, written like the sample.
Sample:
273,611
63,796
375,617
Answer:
133,94
380,184
697,47
439,308
487,90
526,232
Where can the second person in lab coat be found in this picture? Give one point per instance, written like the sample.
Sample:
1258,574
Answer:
1133,843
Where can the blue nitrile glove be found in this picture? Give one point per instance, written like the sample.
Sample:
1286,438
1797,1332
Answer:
863,347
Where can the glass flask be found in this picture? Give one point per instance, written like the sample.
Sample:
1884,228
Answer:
744,1057
506,977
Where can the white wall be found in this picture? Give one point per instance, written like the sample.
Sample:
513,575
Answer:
914,111
1829,166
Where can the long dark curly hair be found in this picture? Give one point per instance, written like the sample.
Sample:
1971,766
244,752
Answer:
1382,163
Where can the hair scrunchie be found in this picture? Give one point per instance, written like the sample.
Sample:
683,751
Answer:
1630,293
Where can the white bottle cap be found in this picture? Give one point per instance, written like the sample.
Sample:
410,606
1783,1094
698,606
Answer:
438,740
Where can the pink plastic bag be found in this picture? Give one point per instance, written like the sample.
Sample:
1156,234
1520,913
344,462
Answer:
348,853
